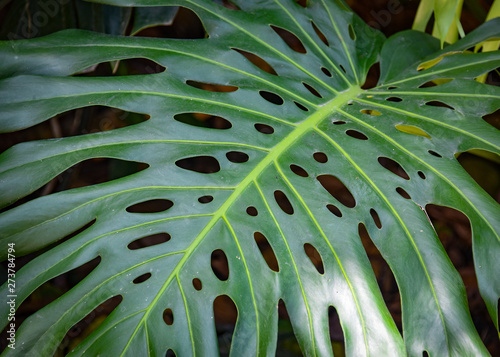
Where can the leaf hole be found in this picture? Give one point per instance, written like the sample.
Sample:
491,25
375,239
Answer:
301,107
337,189
339,122
334,209
394,99
212,87
203,120
252,211
123,67
385,278
393,166
421,175
55,287
453,228
493,119
282,311
197,285
413,130
177,28
315,258
264,128
370,112
437,103
290,39
376,218
202,164
299,171
352,33
287,340
425,354
433,153
230,5
91,119
257,61
267,251
283,202
148,241
427,84
336,332
403,193
139,66
372,77
271,97
312,90
237,157
91,321
170,353
142,278
302,3
356,134
205,199
320,157
168,316
342,68
151,206
219,264
326,72
77,231
71,123
392,87
435,82
225,318
484,167
91,172
320,34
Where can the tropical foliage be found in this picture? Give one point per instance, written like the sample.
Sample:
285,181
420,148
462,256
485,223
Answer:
261,158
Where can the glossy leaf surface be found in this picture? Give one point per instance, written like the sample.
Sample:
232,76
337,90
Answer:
292,164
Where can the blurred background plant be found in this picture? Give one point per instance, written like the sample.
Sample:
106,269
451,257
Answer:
447,24
446,16
22,19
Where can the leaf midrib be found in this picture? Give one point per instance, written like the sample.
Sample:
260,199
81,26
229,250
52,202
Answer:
272,156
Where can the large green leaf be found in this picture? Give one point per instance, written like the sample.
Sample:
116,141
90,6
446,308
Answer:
291,140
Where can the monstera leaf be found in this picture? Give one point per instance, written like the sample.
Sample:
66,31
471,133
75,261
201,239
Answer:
297,157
